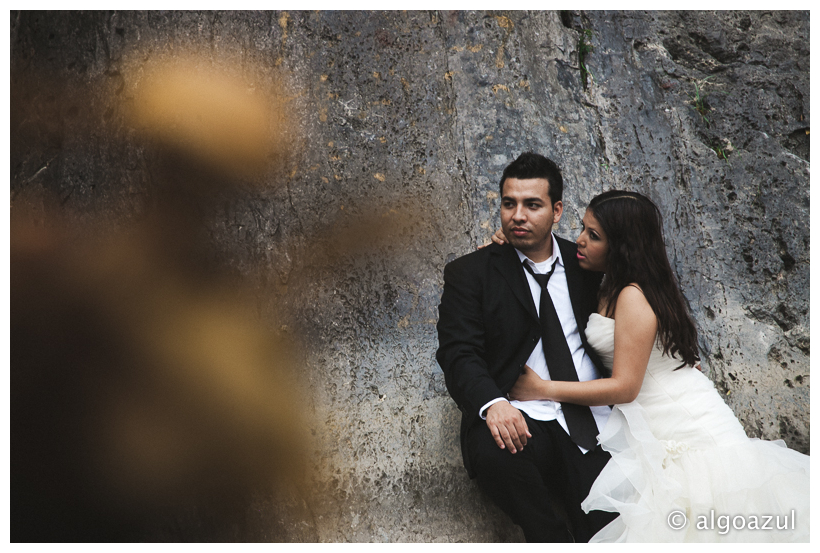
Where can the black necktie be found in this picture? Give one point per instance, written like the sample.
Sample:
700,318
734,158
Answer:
581,423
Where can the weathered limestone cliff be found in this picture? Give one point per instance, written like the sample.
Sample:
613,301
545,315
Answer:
401,125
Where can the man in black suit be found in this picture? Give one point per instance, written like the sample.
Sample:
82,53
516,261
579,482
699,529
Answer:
495,319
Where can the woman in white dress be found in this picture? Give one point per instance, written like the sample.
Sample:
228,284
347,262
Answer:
682,467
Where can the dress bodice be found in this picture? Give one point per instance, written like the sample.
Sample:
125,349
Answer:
600,333
673,397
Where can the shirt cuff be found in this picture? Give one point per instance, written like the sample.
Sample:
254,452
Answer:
483,411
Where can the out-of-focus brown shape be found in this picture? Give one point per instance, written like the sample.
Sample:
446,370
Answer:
378,224
141,384
212,113
135,391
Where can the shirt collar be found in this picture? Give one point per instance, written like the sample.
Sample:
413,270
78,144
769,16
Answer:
556,252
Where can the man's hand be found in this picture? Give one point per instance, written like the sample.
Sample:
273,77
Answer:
508,427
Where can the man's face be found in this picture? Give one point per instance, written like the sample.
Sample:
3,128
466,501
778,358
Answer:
527,216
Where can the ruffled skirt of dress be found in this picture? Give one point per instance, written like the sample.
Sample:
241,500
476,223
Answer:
650,482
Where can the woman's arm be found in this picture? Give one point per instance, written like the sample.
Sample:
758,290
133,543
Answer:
635,329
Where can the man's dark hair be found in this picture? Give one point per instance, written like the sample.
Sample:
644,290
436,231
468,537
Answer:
535,166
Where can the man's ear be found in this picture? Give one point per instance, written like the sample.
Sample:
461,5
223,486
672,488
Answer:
558,210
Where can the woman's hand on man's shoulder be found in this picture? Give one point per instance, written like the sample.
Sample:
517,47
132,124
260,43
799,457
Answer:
499,238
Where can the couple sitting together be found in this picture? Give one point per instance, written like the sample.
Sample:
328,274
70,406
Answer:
585,416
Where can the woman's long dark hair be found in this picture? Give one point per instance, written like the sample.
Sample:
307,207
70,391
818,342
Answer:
633,228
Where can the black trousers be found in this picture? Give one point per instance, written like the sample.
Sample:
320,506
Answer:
533,485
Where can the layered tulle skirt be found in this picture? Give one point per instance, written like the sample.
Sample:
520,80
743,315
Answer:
683,469
666,491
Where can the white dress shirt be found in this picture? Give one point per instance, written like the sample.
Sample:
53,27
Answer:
542,409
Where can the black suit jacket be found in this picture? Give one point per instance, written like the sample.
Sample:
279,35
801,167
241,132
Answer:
488,324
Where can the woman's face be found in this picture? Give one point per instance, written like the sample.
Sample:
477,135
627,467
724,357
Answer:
592,244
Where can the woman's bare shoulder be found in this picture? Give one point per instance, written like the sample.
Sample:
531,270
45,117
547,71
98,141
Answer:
632,304
634,285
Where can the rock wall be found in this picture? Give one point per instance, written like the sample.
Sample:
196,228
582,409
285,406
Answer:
403,124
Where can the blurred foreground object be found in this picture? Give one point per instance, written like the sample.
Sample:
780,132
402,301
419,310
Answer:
140,384
213,115
133,393
146,392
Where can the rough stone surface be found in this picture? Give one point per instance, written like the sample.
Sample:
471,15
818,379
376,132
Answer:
405,121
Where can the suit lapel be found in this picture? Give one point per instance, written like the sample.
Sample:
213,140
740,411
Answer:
506,262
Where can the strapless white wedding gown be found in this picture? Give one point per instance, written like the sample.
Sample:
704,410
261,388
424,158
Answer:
679,451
